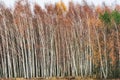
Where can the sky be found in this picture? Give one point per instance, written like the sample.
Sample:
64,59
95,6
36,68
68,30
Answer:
10,3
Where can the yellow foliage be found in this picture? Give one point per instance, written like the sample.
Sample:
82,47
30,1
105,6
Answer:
58,5
61,7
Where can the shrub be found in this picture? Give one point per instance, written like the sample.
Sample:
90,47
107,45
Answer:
116,17
105,17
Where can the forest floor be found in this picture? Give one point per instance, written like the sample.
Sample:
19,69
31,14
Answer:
52,78
56,78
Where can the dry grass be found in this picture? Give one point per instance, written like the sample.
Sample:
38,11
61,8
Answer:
49,78
56,78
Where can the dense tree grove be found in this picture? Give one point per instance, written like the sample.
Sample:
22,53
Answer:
81,40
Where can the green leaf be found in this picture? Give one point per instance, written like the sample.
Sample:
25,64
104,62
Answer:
116,17
106,17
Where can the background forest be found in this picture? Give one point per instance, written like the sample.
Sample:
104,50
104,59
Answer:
79,40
